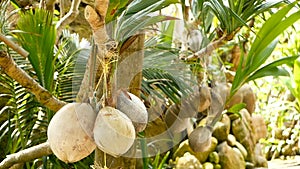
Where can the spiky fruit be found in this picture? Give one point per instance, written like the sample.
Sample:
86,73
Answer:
114,132
69,132
134,108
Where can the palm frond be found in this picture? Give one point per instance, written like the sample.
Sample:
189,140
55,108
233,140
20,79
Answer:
70,66
3,16
263,45
37,36
24,121
138,5
115,8
233,14
137,17
164,85
20,124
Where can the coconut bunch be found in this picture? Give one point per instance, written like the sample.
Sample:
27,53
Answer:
200,137
76,129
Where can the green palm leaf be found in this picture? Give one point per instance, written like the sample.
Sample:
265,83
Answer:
37,36
272,69
139,5
237,13
3,16
115,8
21,115
136,18
70,66
163,84
24,121
263,45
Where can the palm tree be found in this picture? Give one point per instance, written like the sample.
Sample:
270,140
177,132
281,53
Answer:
57,66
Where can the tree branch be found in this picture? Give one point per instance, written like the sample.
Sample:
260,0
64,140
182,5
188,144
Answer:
9,66
207,50
14,46
96,20
68,18
26,155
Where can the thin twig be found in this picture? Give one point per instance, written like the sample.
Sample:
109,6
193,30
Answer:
14,46
68,18
26,155
207,50
9,66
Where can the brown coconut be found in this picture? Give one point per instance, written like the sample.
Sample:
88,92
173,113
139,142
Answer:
114,132
68,140
244,95
134,108
200,139
205,98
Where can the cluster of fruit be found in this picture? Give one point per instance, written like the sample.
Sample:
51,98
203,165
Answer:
76,129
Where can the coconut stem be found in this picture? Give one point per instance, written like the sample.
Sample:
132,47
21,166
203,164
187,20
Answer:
104,159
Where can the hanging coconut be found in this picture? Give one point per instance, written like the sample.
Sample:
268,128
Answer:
69,133
134,108
114,132
200,139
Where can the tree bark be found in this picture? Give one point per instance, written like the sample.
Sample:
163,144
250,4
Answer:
129,72
26,155
50,5
14,46
97,23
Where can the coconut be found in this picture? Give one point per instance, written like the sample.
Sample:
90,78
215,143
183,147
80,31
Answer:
70,138
114,132
244,95
200,139
134,108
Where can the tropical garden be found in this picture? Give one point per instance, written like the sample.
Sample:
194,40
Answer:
203,84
